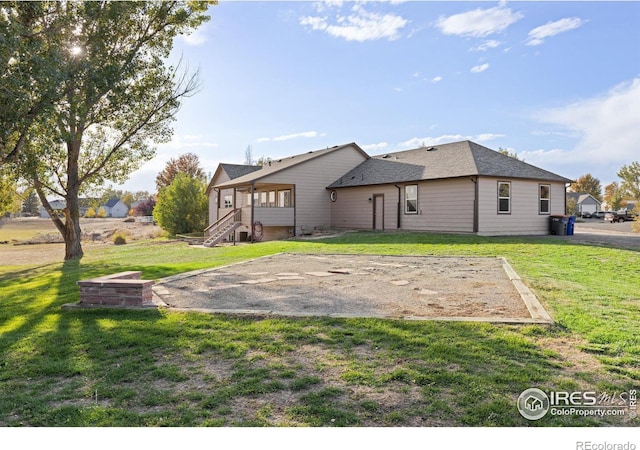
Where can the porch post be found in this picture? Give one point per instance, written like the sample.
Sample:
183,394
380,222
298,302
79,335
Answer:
253,203
235,200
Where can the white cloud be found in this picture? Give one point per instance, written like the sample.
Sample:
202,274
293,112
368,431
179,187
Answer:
480,68
436,79
359,25
446,139
486,45
484,137
539,34
286,137
606,125
187,142
479,22
375,147
196,37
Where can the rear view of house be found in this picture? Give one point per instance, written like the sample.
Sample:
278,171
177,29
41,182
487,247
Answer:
460,187
283,198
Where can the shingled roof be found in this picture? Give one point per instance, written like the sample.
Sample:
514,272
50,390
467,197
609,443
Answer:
458,159
280,164
238,170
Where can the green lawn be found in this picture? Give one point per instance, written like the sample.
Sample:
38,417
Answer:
150,368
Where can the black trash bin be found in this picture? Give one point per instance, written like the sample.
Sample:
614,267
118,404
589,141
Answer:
558,225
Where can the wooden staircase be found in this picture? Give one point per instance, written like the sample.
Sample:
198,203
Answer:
217,231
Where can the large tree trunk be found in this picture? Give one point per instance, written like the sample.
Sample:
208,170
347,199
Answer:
72,233
70,227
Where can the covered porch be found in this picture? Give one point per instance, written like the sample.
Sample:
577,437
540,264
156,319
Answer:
256,211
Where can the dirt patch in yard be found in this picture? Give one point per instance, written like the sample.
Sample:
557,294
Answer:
32,240
408,287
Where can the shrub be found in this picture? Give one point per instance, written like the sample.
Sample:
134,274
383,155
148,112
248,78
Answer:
635,225
145,207
119,238
90,213
182,206
101,213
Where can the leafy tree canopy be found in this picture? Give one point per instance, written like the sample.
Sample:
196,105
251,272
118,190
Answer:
589,184
114,97
630,176
613,195
189,164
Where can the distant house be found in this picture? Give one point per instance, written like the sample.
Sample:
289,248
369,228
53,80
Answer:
57,205
115,208
585,202
462,187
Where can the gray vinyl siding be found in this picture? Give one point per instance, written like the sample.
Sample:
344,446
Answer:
311,198
352,208
443,206
524,217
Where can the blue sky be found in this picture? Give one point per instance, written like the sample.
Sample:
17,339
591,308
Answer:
556,82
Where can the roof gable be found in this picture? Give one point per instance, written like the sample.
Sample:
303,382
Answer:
232,170
282,164
581,197
454,160
112,202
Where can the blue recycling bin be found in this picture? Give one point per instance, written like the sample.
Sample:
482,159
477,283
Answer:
570,225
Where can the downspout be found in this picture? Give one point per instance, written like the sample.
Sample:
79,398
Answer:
295,210
475,204
253,203
399,204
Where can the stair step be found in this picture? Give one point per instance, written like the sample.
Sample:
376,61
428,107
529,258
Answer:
219,233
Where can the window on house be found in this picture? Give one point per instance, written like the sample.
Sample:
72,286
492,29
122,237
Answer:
411,199
504,197
263,199
545,198
284,198
228,201
272,199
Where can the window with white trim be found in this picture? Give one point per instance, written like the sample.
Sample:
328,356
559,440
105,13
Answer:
504,197
228,201
411,199
284,198
545,199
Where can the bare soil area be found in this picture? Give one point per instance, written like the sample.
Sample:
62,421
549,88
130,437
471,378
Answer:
31,240
409,287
